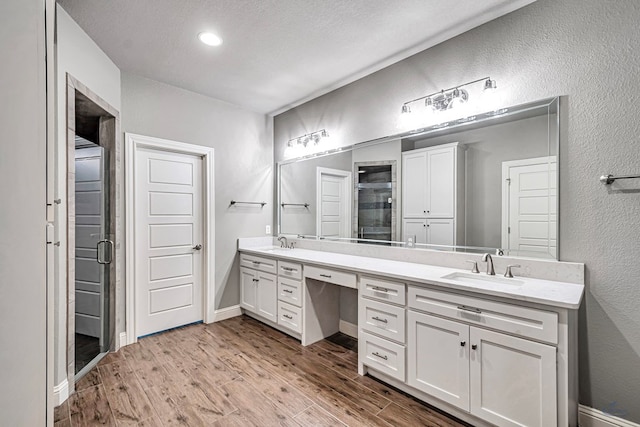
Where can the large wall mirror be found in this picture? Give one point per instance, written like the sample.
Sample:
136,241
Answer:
486,183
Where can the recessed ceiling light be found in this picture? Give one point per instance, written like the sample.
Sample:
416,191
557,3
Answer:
210,39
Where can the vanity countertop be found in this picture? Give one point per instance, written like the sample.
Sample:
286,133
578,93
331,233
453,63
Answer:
556,294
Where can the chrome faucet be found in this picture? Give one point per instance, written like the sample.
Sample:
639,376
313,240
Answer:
490,270
283,242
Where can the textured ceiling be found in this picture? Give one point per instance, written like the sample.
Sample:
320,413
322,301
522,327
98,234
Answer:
276,53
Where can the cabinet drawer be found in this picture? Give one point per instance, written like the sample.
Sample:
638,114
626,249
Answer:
290,317
290,291
527,322
259,263
331,276
290,269
383,319
382,290
382,355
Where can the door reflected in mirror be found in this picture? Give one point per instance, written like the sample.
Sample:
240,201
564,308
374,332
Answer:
482,185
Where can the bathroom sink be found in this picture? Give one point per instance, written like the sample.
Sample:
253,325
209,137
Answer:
481,279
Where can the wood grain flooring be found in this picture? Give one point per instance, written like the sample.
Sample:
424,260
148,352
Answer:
238,372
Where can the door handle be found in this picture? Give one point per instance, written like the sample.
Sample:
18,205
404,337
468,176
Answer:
110,252
197,247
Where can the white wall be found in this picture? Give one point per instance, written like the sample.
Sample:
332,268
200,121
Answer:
79,56
588,50
23,293
243,144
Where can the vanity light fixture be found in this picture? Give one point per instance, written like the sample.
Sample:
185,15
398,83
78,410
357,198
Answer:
447,99
209,39
304,140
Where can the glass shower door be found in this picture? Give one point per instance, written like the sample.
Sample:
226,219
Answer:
94,253
375,197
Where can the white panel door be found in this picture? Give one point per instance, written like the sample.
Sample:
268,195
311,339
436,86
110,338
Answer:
334,201
441,183
416,229
530,220
440,231
438,358
169,235
414,182
513,381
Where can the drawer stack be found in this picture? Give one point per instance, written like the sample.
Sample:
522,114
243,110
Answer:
381,319
290,296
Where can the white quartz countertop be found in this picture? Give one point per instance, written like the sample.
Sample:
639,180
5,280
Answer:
557,294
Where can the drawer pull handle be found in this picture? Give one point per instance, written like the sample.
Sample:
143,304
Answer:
256,262
379,319
255,280
288,268
376,354
328,276
287,316
287,291
377,288
471,309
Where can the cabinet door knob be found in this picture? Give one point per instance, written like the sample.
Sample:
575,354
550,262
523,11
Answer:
463,343
474,346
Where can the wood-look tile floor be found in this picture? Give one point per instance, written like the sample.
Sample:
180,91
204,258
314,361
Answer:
238,372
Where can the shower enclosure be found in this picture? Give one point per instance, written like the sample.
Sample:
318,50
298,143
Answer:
94,252
375,207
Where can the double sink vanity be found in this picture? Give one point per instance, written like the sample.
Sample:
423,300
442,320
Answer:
487,349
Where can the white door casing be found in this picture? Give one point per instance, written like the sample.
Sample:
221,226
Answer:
169,211
333,201
529,201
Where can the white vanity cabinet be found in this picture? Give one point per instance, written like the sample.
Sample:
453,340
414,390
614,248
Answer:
258,286
491,356
432,180
493,374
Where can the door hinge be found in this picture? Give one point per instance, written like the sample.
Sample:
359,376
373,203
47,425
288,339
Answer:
508,181
509,230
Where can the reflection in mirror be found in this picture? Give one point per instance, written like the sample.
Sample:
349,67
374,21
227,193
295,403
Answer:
487,184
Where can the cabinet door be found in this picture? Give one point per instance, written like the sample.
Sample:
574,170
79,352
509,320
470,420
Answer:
513,381
248,295
267,296
416,228
441,180
438,360
414,181
440,232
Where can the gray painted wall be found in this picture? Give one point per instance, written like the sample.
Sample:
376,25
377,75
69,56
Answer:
23,253
485,150
243,146
588,50
79,56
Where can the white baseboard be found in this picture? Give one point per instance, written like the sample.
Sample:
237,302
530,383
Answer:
348,329
226,313
589,417
60,393
122,341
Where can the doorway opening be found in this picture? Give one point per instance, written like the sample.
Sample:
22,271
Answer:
375,213
92,257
